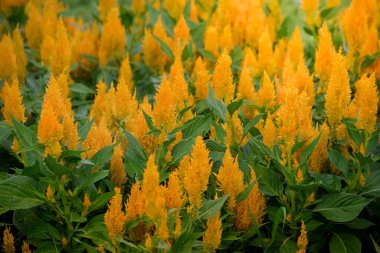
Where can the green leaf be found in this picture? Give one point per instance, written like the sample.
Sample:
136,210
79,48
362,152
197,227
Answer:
244,194
154,130
252,123
211,207
338,160
164,47
280,216
370,59
93,178
81,89
344,243
217,106
269,182
17,193
232,107
181,149
328,181
196,126
58,169
102,156
341,207
297,146
359,223
309,150
375,245
5,131
100,201
85,129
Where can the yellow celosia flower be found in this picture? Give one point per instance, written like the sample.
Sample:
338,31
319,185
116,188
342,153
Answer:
164,115
8,241
98,138
174,195
117,171
125,104
269,132
310,7
250,61
25,247
21,60
302,239
266,94
99,104
50,194
85,42
295,48
50,131
279,56
202,77
230,178
8,60
56,50
178,228
303,81
254,204
105,7
318,158
366,101
139,128
211,42
246,90
338,92
324,56
226,40
12,100
126,73
332,3
112,40
181,35
213,234
135,205
86,202
174,7
138,7
265,53
115,218
155,207
198,168
221,80
70,132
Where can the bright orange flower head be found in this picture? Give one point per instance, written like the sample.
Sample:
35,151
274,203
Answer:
213,234
230,178
12,100
21,60
8,59
112,41
115,218
221,80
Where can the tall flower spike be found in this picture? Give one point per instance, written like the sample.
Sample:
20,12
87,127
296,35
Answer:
8,60
324,56
125,105
25,247
302,241
178,82
265,53
202,77
8,241
126,73
221,80
99,103
318,158
181,35
211,42
226,40
310,7
366,100
254,205
21,60
213,234
164,115
266,94
112,41
98,138
199,168
295,48
338,92
174,7
174,195
269,132
50,132
230,178
117,171
105,7
135,205
115,218
155,207
12,100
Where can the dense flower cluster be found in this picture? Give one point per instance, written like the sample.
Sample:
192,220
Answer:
180,106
